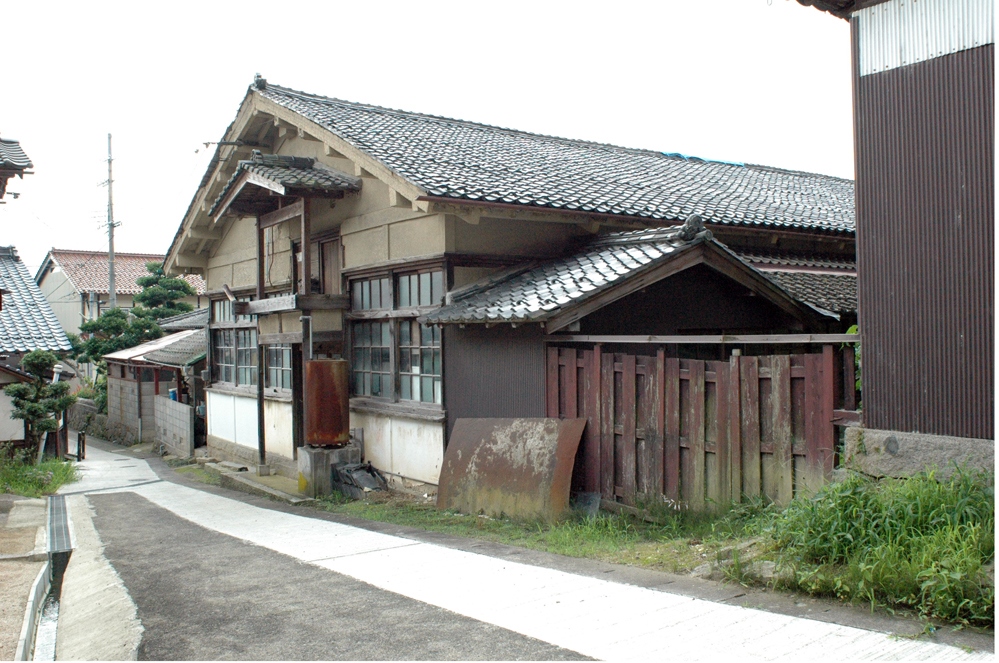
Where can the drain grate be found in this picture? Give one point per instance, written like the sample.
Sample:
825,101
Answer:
59,539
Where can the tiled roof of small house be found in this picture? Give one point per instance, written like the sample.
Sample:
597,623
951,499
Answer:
534,293
26,321
12,156
299,173
187,342
454,159
186,349
830,292
88,270
827,283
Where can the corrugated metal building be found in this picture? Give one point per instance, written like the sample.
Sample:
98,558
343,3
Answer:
924,88
924,123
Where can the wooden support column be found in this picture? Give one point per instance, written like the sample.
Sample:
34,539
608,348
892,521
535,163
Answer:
261,428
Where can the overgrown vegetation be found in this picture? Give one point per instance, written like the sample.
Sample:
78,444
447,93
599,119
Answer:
916,543
20,476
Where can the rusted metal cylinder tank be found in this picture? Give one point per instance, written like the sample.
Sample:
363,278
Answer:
327,402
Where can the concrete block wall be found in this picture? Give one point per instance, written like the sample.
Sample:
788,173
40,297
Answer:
123,404
174,426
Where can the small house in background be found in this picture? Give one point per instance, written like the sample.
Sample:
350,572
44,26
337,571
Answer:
155,391
76,283
26,323
13,163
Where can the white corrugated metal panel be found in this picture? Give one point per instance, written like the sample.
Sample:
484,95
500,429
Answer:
902,32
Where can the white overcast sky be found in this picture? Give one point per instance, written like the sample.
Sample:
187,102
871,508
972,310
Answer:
755,81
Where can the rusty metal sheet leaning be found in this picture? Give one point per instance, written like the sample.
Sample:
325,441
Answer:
516,467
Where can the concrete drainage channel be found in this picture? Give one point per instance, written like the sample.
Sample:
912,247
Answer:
41,616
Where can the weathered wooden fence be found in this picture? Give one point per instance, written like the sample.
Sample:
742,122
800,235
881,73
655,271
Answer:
698,432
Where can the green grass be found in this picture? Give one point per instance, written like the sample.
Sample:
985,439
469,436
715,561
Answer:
199,473
20,476
915,543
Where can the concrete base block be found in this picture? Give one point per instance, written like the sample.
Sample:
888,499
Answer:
883,453
314,463
263,470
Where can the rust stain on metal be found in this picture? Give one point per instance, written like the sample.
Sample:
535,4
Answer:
514,467
327,402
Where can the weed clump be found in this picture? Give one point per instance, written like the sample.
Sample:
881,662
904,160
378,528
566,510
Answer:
20,476
916,542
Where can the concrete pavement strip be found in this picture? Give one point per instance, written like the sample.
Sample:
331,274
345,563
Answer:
590,615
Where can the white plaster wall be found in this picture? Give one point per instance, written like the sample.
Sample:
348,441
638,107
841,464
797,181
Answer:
414,449
278,431
10,429
233,418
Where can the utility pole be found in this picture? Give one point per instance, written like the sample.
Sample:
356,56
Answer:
112,294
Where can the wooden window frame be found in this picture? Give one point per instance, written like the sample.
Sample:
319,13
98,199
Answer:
394,315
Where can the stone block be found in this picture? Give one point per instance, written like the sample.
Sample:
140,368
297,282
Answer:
314,467
883,453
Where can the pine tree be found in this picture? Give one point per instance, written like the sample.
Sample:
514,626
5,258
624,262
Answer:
161,294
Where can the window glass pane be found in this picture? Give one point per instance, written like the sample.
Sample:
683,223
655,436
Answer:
427,361
376,360
385,359
404,327
386,334
376,295
425,289
415,388
414,291
426,335
386,300
427,389
366,294
356,302
437,362
404,363
437,335
405,393
437,391
376,384
403,291
436,287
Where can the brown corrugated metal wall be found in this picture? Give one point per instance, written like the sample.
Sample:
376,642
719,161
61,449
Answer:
925,231
495,372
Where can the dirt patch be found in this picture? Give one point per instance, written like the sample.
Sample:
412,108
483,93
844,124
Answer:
16,578
17,540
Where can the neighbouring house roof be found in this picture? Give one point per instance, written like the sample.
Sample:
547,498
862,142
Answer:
465,161
196,319
26,321
12,156
13,161
840,8
88,270
180,349
287,176
540,292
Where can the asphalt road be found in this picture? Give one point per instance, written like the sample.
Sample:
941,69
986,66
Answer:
201,595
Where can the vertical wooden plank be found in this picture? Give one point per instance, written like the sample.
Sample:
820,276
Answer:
827,432
695,439
629,465
657,422
591,387
734,430
569,387
607,426
552,390
671,437
749,369
722,444
811,477
781,413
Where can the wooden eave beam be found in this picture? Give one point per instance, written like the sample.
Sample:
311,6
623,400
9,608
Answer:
291,303
230,197
696,339
293,211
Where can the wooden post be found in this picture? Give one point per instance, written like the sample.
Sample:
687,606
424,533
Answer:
780,401
261,373
629,403
671,439
749,373
827,439
551,392
695,435
734,428
607,426
571,373
593,427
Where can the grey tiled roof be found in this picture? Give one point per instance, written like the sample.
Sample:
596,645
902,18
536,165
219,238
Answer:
831,292
291,173
196,319
27,321
12,157
536,292
778,260
468,161
185,351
